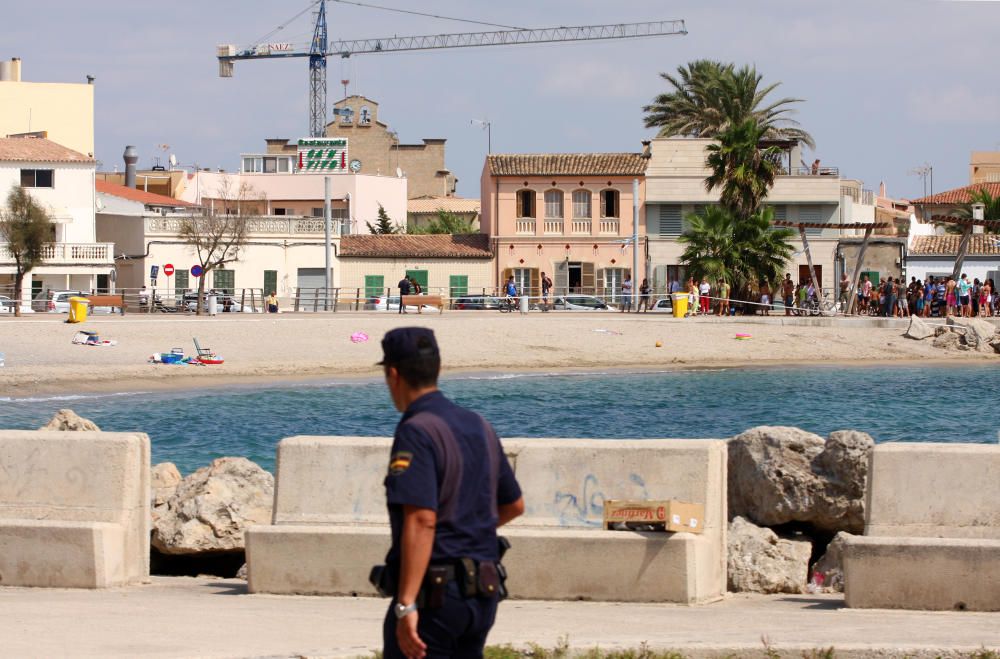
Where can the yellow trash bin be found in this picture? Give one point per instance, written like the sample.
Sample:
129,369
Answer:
78,309
680,304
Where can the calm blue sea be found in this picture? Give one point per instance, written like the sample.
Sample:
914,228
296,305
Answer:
192,428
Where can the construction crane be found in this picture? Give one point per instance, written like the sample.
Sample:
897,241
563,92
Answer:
320,49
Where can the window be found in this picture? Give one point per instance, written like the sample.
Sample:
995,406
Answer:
554,204
278,211
581,204
248,164
37,178
180,281
525,203
284,165
270,281
317,212
458,285
365,118
669,221
224,280
270,165
609,203
811,214
374,285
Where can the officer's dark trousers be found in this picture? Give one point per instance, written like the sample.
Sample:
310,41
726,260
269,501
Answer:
457,629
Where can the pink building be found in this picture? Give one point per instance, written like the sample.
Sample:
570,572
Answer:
568,215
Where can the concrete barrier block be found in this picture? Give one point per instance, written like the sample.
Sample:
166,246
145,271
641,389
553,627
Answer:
80,477
934,490
53,554
922,573
314,560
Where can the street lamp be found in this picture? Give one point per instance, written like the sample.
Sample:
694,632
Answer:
487,126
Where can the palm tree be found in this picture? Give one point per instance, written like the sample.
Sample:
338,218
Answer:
980,196
708,97
742,168
743,251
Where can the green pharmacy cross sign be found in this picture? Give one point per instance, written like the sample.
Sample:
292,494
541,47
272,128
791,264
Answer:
323,155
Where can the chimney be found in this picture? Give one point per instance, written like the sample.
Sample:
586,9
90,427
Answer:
131,158
10,71
881,189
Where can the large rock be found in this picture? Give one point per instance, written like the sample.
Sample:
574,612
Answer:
210,509
761,562
978,334
830,567
163,482
779,475
948,339
918,329
68,420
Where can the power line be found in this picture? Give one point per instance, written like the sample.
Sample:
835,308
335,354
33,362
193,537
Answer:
419,13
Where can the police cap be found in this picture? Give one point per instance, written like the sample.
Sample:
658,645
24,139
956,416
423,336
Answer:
406,343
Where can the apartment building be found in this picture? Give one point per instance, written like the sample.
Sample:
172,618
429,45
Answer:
566,214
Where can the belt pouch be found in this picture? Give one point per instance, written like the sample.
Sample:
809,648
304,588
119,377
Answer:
380,578
435,584
468,580
489,579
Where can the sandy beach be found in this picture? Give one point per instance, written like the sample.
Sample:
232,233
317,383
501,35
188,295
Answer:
40,357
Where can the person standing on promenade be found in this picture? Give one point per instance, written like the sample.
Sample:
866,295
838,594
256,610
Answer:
765,297
864,292
985,298
627,294
964,296
546,288
950,298
449,487
704,293
723,298
692,297
271,303
788,293
404,289
845,291
643,297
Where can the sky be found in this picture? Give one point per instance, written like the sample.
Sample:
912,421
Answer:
888,85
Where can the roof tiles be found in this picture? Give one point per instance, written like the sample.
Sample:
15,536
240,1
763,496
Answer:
567,164
448,204
958,195
38,149
147,198
440,246
980,244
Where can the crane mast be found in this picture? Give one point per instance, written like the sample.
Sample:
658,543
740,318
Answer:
321,48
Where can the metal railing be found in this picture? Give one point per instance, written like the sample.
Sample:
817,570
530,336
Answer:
266,224
819,171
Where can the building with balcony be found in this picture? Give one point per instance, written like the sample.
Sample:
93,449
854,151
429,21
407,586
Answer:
566,214
62,182
421,211
675,188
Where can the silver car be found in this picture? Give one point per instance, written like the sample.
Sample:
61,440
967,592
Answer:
581,303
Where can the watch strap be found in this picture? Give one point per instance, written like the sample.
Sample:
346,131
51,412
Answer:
402,610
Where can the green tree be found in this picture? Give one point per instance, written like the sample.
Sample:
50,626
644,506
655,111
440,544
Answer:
26,227
445,222
744,251
707,97
743,169
384,224
980,196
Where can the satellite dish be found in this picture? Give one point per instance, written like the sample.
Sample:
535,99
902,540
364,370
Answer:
399,173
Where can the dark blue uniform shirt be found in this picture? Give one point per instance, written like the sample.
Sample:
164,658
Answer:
449,459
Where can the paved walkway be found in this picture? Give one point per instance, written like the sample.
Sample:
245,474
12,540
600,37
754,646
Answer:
182,617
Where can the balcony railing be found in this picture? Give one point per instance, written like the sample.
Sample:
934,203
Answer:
581,227
274,224
525,226
553,227
609,225
69,253
819,171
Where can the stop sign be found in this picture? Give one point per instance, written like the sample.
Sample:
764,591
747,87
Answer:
168,269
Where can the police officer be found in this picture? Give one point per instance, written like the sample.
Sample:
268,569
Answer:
449,486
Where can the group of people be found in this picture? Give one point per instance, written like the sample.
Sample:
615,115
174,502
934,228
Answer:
408,286
933,296
630,299
703,297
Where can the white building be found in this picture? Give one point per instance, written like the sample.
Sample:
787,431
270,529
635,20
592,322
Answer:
62,181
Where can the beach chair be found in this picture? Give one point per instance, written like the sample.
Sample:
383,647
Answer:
202,352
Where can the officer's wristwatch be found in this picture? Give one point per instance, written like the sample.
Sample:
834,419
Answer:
403,610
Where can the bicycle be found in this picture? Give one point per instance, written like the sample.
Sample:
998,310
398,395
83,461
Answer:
508,305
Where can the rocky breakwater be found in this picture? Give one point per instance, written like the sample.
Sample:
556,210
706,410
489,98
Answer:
199,521
790,490
965,334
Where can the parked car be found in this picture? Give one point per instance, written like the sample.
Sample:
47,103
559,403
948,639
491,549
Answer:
224,302
476,302
663,305
6,304
390,303
581,303
54,301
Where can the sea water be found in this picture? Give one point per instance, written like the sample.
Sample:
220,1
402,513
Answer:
897,403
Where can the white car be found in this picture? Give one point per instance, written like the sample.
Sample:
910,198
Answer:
6,304
54,301
581,303
663,305
391,303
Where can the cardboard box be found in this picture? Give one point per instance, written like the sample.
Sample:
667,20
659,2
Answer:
673,516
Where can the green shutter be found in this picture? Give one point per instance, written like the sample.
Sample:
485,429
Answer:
224,281
270,281
420,276
458,285
374,285
180,281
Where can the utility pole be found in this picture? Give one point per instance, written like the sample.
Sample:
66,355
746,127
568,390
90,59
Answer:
327,275
635,241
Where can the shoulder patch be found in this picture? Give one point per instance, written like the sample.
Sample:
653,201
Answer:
399,462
